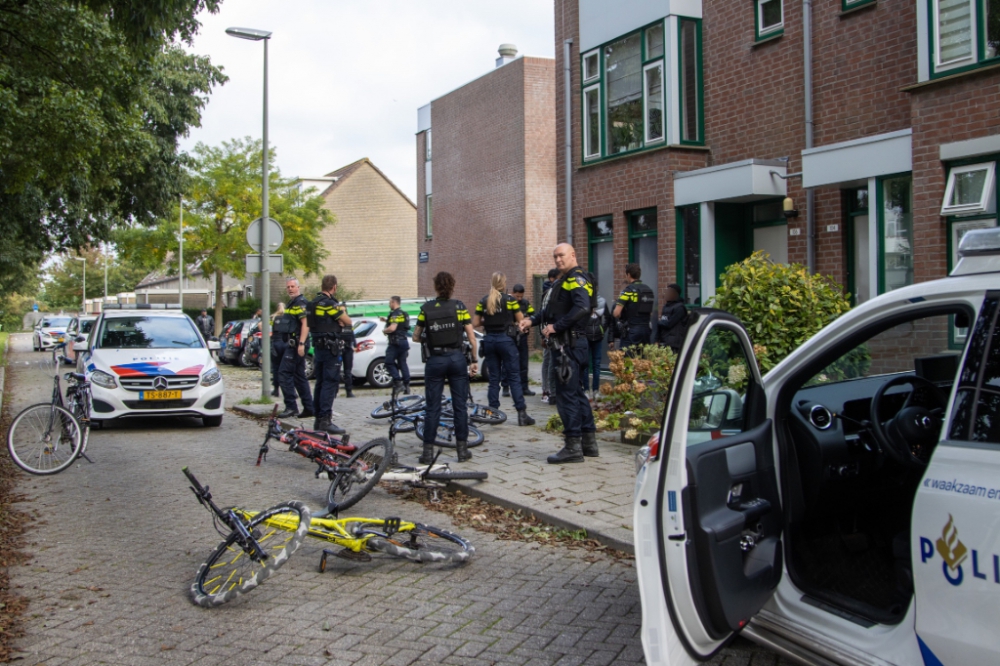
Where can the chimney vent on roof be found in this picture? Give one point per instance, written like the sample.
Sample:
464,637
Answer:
507,53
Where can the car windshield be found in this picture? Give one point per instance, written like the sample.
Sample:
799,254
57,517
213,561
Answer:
148,333
86,325
55,322
363,328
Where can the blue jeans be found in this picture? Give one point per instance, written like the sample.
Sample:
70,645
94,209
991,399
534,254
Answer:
327,366
571,402
594,366
499,349
395,361
439,368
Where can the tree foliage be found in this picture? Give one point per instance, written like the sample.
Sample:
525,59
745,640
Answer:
781,305
94,96
63,288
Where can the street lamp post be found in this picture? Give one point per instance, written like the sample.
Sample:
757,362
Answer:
83,301
265,248
105,276
180,260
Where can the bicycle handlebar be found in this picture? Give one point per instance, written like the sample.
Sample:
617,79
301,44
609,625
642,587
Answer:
194,482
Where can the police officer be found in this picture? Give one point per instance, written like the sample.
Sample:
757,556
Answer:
566,309
499,313
522,340
291,329
327,320
633,309
398,331
439,328
349,341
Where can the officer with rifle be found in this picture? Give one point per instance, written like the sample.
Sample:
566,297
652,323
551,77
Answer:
567,308
327,320
633,309
291,330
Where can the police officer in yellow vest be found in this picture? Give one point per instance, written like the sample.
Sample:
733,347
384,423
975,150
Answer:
290,332
327,321
634,308
522,340
397,329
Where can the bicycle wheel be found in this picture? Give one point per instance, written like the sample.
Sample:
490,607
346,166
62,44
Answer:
404,405
366,467
423,544
229,571
455,475
405,425
446,434
44,439
487,415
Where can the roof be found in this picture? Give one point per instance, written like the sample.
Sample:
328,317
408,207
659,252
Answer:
345,172
161,275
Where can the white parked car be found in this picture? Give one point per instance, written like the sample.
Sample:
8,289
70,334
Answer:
79,327
369,353
49,332
845,508
151,363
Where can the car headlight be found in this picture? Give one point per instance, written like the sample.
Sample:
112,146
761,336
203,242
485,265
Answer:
213,376
103,379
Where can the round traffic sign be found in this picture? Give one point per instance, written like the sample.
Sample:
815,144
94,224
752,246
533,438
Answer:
275,234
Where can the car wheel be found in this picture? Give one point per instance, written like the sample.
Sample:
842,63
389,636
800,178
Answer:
245,360
378,374
358,381
310,367
211,421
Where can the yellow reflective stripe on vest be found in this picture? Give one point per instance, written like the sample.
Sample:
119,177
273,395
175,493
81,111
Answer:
575,283
328,311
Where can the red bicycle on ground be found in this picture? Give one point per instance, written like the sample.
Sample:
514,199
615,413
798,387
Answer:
352,470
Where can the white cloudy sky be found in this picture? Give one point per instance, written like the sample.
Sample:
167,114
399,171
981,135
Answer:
347,76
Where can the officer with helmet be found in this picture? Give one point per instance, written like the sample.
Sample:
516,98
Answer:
566,309
440,325
634,308
328,320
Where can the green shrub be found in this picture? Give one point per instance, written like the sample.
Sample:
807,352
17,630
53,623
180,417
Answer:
781,305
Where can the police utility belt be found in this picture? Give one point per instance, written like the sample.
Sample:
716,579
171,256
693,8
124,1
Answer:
567,338
328,341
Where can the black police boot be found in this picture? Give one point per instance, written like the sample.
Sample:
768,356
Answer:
590,445
571,452
319,424
427,457
406,389
333,428
306,413
462,448
527,392
523,419
288,413
350,393
397,386
506,392
275,392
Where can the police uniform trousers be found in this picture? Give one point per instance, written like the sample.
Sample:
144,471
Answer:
571,402
451,367
277,351
292,377
348,359
395,361
594,351
638,334
327,369
521,343
499,350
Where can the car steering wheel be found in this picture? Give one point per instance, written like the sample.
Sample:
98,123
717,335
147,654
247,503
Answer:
909,437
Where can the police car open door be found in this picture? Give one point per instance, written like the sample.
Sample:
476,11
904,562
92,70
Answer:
707,518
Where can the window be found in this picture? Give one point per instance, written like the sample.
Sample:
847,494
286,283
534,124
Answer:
643,248
846,5
964,33
592,122
859,245
149,333
691,91
769,18
429,216
624,97
601,256
969,190
896,221
976,411
689,253
427,157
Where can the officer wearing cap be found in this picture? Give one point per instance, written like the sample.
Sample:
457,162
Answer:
673,319
397,329
522,340
327,319
633,308
291,329
567,307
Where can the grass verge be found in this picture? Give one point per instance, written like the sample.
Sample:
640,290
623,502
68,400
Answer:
12,527
261,400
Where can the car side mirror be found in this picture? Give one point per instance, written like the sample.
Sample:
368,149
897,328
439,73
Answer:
213,345
80,346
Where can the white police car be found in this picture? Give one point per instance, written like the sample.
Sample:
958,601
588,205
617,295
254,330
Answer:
844,509
146,362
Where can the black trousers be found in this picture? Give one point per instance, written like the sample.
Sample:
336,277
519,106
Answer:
571,402
292,378
452,368
327,365
347,377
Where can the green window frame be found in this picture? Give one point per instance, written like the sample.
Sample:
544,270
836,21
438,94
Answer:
963,35
641,224
847,5
692,92
897,228
428,217
689,265
768,19
856,204
599,230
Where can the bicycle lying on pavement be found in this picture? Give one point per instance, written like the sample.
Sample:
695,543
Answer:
46,438
261,542
352,470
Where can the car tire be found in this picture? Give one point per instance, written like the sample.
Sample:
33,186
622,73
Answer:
245,361
358,381
378,374
211,421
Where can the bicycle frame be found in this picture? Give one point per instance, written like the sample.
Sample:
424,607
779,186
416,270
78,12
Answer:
314,445
231,518
337,530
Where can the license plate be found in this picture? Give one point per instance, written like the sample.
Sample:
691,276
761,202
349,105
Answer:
159,395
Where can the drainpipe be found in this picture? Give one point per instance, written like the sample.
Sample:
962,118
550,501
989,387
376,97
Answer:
568,109
808,93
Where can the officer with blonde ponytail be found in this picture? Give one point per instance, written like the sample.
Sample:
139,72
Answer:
499,313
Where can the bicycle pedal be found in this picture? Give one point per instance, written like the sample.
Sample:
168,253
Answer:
353,556
391,526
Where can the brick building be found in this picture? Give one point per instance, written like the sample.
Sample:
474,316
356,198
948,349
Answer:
486,181
692,120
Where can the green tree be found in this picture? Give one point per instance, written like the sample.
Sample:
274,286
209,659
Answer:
222,198
94,95
63,288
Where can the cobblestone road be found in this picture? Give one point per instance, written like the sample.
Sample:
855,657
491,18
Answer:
116,544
